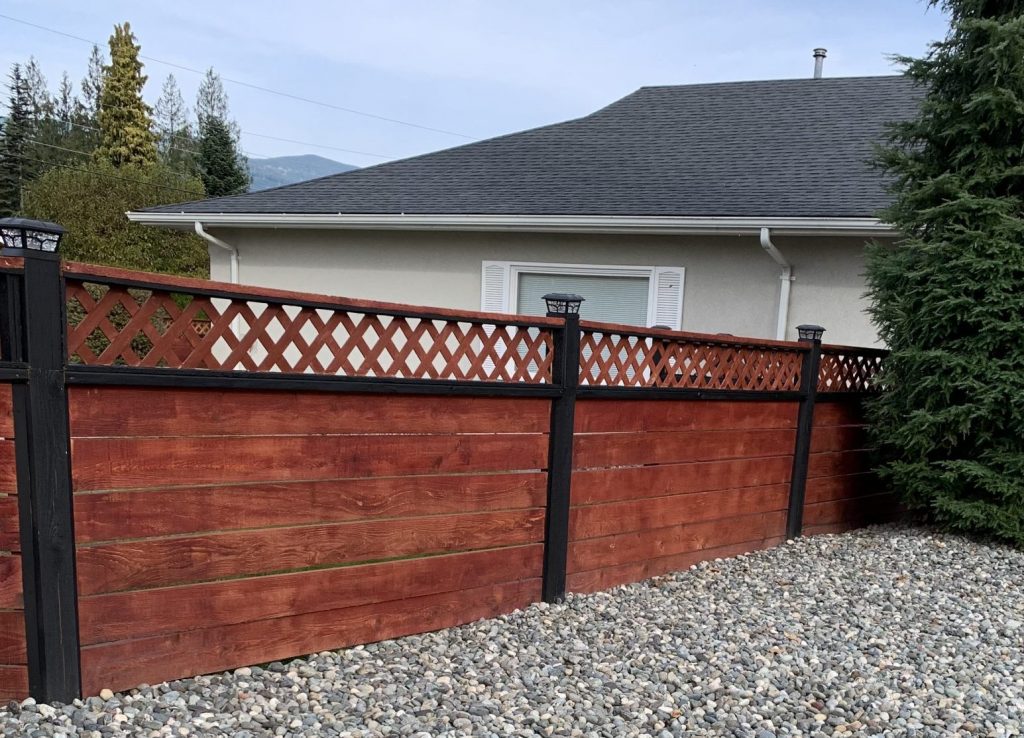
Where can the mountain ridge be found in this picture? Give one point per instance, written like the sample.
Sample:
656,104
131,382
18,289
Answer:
276,171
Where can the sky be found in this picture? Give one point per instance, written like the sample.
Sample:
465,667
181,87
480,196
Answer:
468,69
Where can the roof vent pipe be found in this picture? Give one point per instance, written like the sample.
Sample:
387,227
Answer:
819,61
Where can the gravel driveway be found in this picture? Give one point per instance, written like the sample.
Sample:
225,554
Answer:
886,631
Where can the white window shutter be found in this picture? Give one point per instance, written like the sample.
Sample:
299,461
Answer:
494,287
668,297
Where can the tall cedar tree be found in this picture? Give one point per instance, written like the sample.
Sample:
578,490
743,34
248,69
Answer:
220,165
948,298
126,135
15,162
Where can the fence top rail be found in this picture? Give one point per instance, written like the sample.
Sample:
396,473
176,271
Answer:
712,339
210,288
836,348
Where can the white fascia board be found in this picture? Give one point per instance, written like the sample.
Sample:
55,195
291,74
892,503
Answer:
544,223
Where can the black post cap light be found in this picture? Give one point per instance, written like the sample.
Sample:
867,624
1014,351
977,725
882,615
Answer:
19,235
810,332
562,303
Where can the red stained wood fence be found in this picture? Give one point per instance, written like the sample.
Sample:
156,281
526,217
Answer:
259,474
13,656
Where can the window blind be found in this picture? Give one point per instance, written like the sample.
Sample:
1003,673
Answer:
607,299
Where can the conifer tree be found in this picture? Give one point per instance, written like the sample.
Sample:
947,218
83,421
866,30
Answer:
92,87
220,164
174,134
948,298
126,135
16,165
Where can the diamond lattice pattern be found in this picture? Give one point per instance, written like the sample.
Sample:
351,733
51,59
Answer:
655,361
114,325
849,372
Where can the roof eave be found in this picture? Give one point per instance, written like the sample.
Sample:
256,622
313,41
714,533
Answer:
724,225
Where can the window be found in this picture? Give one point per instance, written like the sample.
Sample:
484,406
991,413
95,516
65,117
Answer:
642,296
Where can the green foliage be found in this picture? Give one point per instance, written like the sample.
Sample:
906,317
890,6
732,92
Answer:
949,297
220,163
15,164
91,204
126,136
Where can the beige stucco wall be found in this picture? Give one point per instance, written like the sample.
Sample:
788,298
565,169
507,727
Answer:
731,285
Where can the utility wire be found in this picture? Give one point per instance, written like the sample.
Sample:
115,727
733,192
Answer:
248,133
108,176
251,86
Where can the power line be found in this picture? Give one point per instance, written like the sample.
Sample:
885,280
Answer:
248,133
260,88
318,146
108,176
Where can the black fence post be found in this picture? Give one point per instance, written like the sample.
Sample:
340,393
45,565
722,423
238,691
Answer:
565,372
43,457
805,421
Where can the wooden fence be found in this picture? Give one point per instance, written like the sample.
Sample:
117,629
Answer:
197,476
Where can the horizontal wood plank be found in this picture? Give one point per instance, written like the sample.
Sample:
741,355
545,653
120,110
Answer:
839,413
839,438
824,489
604,416
838,463
8,472
10,582
113,411
107,516
596,580
126,663
624,449
591,486
595,521
166,561
597,553
105,464
6,412
130,615
13,682
9,531
12,637
857,510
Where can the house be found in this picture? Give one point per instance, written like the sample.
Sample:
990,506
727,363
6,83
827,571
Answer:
738,208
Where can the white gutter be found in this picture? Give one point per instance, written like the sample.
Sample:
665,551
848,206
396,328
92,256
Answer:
545,223
232,251
786,277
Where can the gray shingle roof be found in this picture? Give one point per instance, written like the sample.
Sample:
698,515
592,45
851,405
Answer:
781,148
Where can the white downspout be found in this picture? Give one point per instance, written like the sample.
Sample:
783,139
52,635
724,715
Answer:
232,251
786,278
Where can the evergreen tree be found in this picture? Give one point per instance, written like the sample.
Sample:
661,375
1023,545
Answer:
40,102
948,298
126,135
174,134
220,164
211,100
92,87
16,166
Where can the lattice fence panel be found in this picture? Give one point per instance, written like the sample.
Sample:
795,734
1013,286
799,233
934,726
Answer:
624,360
113,325
854,371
